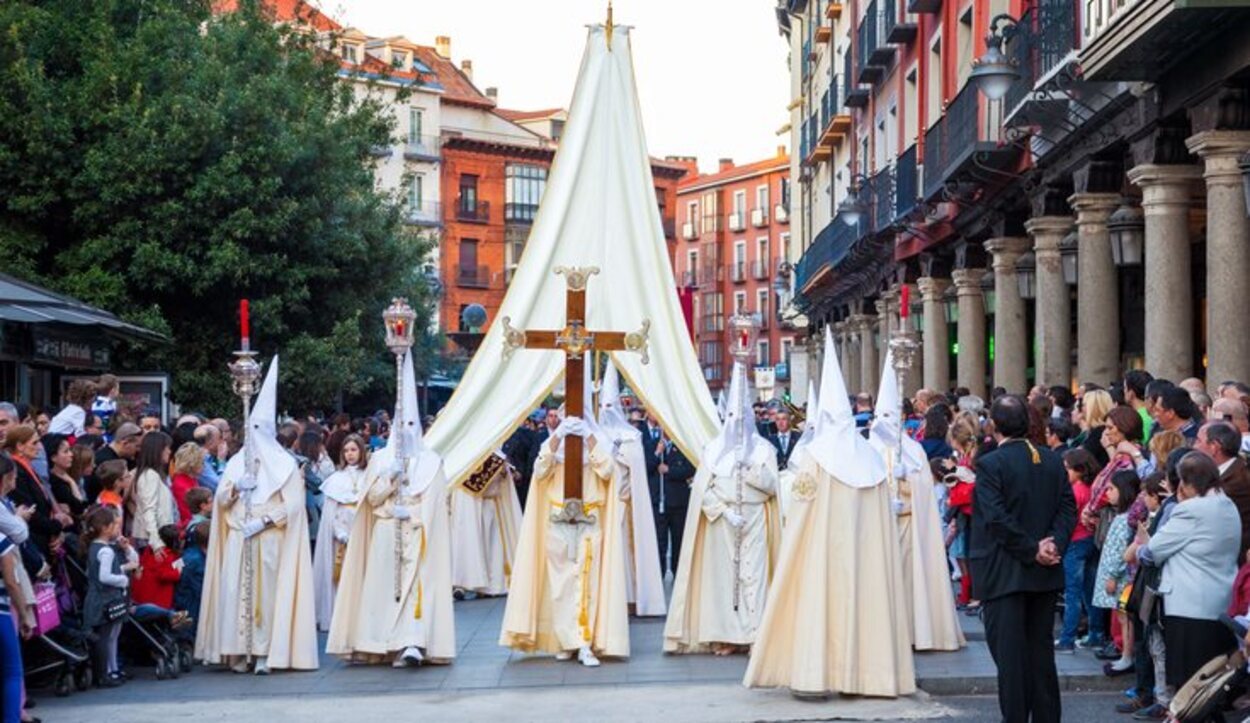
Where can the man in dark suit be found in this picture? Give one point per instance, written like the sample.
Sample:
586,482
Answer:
668,479
785,438
1023,514
1222,443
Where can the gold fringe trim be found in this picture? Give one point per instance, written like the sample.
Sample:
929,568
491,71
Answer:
583,615
420,587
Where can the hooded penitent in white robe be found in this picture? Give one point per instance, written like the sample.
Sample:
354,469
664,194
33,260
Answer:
722,577
643,581
836,620
932,619
379,613
568,581
485,524
342,491
282,614
786,476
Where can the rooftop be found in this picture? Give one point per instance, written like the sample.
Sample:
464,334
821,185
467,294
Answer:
779,162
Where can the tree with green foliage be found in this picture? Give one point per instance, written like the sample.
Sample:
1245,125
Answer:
162,162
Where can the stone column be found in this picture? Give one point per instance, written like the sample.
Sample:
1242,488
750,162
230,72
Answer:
1097,290
1170,308
1228,255
887,322
867,354
850,372
1011,343
1054,302
971,356
937,368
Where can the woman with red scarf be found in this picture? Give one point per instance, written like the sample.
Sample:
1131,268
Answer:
47,518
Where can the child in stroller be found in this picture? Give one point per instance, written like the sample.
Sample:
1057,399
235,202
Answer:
152,624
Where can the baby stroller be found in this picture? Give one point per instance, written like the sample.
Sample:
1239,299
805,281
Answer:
146,632
1206,695
58,654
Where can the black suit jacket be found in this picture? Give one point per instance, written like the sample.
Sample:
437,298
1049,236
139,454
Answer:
1019,500
30,492
676,481
783,456
1236,485
519,449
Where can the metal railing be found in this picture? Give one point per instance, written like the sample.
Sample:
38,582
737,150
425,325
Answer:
951,138
906,183
422,147
738,271
711,273
473,277
759,217
848,82
473,212
670,227
867,34
760,269
689,278
424,213
803,149
737,221
1045,35
830,247
882,196
889,18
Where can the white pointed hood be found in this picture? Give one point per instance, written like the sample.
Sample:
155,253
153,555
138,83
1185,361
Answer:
809,426
722,405
423,462
738,435
887,428
274,464
612,419
837,446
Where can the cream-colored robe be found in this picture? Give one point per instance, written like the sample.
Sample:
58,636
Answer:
342,491
285,626
484,530
644,585
932,619
568,585
367,617
702,612
836,620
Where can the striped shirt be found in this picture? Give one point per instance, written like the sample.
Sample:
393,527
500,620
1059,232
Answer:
7,547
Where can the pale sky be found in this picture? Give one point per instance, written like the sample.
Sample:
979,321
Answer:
711,74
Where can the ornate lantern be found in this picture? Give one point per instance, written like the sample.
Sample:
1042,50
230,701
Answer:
1026,275
1127,227
743,331
1068,256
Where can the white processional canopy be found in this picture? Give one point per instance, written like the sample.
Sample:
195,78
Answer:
598,210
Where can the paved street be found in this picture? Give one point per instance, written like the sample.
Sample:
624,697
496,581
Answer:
487,680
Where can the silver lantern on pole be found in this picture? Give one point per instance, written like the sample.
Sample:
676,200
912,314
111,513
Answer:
399,319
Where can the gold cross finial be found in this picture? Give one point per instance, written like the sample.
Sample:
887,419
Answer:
608,26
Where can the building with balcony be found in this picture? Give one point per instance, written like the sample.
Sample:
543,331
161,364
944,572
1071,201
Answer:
1059,222
731,258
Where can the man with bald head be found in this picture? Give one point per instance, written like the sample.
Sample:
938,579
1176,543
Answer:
1235,413
1222,443
8,418
208,436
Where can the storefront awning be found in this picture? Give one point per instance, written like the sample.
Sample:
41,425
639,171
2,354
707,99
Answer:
25,303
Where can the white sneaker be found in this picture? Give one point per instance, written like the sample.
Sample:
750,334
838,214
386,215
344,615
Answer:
262,666
412,656
564,655
240,667
587,658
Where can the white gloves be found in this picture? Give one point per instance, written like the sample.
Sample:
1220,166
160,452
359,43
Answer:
252,528
397,469
401,512
572,425
341,538
734,519
897,506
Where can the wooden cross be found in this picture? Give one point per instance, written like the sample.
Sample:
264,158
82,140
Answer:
575,340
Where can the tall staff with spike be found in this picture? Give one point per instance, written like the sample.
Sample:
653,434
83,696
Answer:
245,372
904,346
743,331
398,319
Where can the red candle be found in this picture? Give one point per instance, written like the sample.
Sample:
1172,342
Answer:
904,307
245,324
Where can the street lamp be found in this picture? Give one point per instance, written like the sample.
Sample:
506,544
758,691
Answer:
1127,228
989,293
994,73
950,303
1026,275
1244,165
853,208
1068,250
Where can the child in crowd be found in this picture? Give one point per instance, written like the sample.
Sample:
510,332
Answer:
199,501
1081,558
114,480
107,585
191,582
157,578
1113,570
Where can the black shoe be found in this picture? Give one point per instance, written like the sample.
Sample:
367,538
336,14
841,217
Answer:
125,675
1108,653
108,681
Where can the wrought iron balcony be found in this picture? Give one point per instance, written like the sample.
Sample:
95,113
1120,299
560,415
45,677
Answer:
519,212
738,272
881,188
958,147
831,245
737,221
853,96
711,274
1127,40
870,69
423,213
760,269
906,183
422,148
472,211
689,278
896,31
759,217
473,277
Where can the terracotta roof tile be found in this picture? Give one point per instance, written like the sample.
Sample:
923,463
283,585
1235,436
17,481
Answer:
776,163
457,88
523,115
286,11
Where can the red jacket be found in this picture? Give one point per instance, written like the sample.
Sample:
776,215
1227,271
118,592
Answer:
155,581
179,486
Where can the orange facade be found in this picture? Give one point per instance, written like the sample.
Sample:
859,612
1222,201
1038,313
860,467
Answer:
733,229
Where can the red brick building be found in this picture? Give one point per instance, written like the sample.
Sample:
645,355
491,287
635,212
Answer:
734,227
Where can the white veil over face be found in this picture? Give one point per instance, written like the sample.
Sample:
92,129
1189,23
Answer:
406,426
837,445
809,426
738,434
612,421
887,426
274,464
